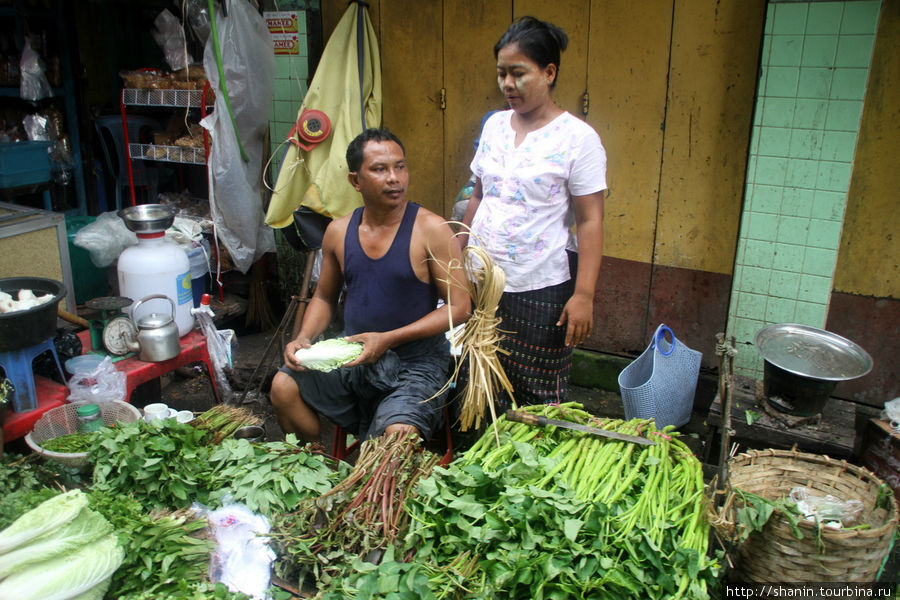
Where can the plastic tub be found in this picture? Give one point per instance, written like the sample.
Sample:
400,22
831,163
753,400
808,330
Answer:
24,163
90,281
85,363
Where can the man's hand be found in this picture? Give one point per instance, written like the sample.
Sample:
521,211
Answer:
374,346
289,360
578,315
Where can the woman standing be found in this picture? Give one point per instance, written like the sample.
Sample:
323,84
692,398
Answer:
539,171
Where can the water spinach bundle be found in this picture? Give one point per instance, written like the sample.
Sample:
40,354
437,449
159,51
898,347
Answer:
552,513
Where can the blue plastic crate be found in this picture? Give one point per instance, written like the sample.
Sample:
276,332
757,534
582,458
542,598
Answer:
24,163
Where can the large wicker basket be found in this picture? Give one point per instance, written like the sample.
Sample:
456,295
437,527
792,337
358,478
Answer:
774,554
63,420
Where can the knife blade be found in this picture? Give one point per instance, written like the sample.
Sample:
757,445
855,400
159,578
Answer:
541,421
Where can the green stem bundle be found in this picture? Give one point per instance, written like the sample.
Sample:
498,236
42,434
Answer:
361,516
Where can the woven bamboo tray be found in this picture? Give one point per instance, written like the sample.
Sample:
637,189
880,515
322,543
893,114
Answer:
774,554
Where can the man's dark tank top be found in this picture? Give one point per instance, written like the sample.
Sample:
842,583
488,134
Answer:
383,293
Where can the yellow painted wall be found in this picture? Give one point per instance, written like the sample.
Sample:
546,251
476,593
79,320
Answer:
869,256
712,85
471,28
629,57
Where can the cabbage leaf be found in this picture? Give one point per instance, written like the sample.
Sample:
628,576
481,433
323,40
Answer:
44,517
66,576
83,529
328,355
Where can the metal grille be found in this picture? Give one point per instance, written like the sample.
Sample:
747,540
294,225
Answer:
163,97
175,154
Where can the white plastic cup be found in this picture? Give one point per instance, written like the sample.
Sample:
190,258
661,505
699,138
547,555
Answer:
156,412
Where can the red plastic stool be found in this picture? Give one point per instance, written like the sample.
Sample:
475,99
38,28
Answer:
340,450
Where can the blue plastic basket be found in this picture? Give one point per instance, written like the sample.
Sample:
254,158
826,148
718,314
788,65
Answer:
24,163
660,383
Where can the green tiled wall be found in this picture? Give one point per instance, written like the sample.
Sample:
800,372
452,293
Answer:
291,84
814,67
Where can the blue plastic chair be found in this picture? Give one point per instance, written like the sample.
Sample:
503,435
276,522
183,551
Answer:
109,130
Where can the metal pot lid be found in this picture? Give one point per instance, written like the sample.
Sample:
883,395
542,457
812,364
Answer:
154,321
812,352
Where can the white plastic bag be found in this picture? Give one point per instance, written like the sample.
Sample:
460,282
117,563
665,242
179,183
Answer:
826,509
103,384
234,183
33,85
169,34
242,559
105,239
891,413
220,344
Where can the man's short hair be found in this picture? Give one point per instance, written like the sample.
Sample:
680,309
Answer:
355,149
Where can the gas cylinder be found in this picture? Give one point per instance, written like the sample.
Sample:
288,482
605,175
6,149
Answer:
157,266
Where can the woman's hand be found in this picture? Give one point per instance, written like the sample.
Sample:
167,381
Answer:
578,316
289,360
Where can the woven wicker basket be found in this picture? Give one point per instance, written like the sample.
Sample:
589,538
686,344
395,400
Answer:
774,554
63,420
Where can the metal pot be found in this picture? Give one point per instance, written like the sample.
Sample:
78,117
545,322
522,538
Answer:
803,365
25,328
157,335
253,433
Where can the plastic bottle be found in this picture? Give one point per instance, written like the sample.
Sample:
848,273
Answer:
157,266
89,419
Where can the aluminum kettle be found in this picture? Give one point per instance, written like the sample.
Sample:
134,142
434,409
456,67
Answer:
157,335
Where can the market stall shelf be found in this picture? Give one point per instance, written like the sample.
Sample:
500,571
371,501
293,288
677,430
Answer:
51,394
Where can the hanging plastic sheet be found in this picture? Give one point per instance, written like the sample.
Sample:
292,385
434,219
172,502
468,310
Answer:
346,88
234,183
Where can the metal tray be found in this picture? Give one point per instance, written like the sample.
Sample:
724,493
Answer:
812,352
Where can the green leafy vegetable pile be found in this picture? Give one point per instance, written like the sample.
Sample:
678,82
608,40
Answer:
171,466
58,550
25,482
553,514
163,550
160,466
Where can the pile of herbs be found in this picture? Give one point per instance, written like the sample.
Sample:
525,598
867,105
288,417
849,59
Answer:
25,482
145,479
173,465
553,514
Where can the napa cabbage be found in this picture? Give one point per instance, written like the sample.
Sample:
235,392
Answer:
47,516
66,576
328,355
83,529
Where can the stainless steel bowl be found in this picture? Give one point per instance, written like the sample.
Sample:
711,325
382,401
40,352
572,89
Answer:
812,352
253,433
148,218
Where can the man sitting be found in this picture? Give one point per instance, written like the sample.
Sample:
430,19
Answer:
397,259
